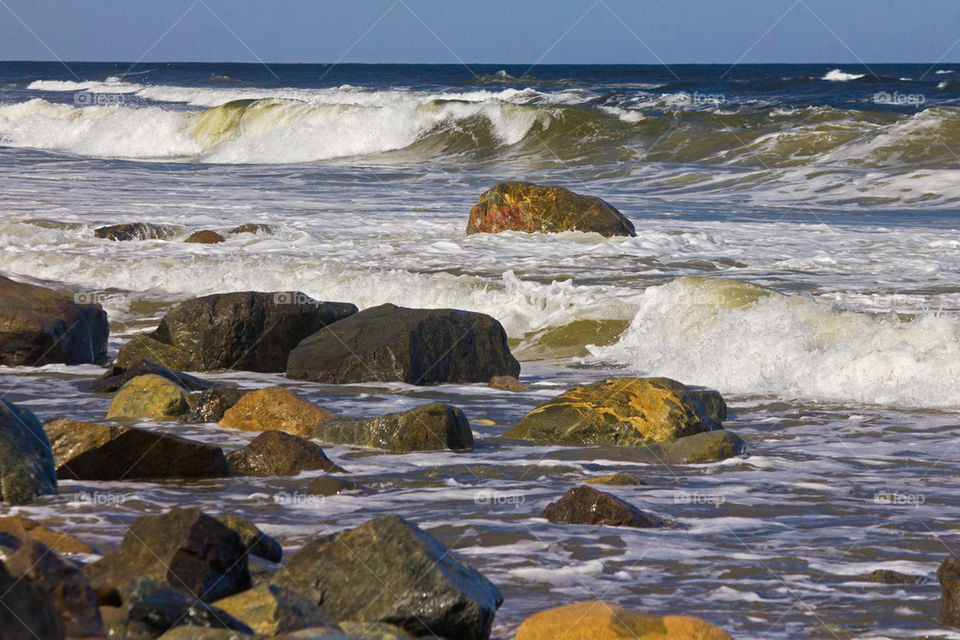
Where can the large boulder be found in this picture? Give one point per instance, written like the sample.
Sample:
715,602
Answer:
522,206
388,570
269,610
26,461
277,453
87,451
586,505
623,412
274,409
40,326
948,575
416,346
256,541
184,549
150,396
603,621
116,376
28,612
426,428
247,330
136,231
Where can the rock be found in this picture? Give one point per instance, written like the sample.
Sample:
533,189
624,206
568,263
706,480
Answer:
277,453
205,237
160,608
192,632
257,542
886,576
62,583
269,609
375,631
26,462
507,383
586,505
388,570
25,529
247,330
522,206
116,377
135,231
252,228
40,326
623,412
603,621
948,575
117,625
87,451
27,613
616,480
150,396
212,404
709,446
416,346
425,428
274,409
332,486
183,548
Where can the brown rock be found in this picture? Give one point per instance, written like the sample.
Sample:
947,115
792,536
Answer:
709,446
269,609
604,621
274,408
257,542
616,480
205,237
252,228
332,486
210,405
507,383
586,505
425,428
28,612
948,575
277,453
886,576
24,529
135,231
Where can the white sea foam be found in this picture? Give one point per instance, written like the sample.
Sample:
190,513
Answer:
836,75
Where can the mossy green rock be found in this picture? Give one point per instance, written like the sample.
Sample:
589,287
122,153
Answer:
623,412
523,206
150,396
710,446
425,428
26,460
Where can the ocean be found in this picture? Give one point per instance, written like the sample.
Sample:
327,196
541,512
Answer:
796,250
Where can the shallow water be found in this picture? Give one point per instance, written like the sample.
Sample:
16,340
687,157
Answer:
818,294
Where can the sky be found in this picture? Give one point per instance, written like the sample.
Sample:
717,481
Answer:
482,31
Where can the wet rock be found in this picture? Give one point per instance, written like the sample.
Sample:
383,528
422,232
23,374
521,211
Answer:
192,632
28,612
269,609
150,396
252,228
425,428
948,575
25,529
117,625
87,451
603,621
332,486
135,231
117,376
212,404
709,446
274,409
40,326
62,583
277,453
507,383
523,206
183,548
396,573
617,480
257,542
249,330
205,237
886,576
26,462
375,631
586,505
160,607
416,346
623,412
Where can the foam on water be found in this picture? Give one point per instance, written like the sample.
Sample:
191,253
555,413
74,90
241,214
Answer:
837,75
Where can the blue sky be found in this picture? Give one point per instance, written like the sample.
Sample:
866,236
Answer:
495,31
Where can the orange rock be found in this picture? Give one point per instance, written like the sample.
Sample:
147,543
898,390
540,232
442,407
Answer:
24,528
603,621
205,237
275,408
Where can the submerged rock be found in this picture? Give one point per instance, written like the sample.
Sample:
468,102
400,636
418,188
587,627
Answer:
523,206
117,376
88,451
886,576
257,542
160,607
40,326
332,486
623,412
388,570
709,446
28,612
277,453
425,428
183,548
26,461
205,237
416,346
248,330
274,409
150,396
269,609
603,621
507,383
586,505
251,227
617,480
135,231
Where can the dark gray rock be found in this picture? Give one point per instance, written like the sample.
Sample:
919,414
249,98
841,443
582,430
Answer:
160,607
26,461
586,505
115,377
277,453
